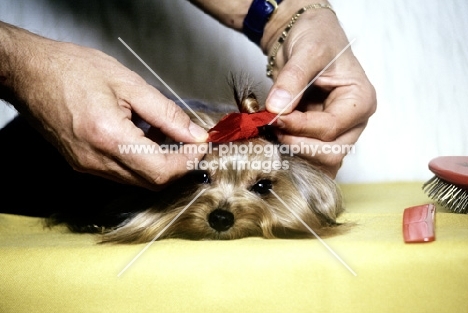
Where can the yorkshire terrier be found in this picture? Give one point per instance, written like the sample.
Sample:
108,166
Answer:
237,200
234,199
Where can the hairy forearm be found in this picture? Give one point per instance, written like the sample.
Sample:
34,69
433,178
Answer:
8,59
32,77
32,72
18,63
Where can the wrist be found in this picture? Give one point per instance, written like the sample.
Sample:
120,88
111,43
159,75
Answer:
15,56
7,57
20,63
282,17
229,13
11,54
258,15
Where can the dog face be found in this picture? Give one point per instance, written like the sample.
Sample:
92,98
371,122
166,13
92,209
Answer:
237,201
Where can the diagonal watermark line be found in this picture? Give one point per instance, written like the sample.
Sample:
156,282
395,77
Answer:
312,81
161,232
315,234
161,80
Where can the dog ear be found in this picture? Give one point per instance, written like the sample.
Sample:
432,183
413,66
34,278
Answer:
319,190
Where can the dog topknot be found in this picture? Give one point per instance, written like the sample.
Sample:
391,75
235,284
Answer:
244,93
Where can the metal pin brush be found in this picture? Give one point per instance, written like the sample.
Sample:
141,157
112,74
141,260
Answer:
449,186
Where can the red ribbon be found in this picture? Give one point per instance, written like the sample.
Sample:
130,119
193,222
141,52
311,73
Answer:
238,126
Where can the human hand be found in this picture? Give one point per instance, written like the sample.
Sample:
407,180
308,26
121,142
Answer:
82,101
335,110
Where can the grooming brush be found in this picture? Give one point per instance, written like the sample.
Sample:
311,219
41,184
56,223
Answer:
449,186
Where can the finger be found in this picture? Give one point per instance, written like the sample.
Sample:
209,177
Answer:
321,155
159,165
345,108
151,170
326,155
118,172
127,156
165,115
289,85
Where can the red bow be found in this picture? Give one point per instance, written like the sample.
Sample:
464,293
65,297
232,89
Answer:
238,126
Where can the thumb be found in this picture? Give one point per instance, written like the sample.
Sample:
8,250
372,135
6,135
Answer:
290,84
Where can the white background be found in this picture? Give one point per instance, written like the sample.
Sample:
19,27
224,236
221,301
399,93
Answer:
415,52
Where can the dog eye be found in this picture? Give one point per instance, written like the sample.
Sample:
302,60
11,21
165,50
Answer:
200,177
262,186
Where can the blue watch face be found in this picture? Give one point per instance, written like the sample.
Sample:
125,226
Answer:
274,4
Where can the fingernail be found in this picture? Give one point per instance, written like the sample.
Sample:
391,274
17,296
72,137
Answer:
197,132
278,100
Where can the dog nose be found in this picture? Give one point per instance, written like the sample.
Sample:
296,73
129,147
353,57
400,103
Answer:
221,220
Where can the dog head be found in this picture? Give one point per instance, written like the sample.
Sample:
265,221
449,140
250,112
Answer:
238,195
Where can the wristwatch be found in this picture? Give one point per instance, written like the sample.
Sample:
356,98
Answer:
259,13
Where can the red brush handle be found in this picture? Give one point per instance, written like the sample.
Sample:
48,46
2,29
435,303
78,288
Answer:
453,169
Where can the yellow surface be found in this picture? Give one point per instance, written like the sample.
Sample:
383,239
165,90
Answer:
43,270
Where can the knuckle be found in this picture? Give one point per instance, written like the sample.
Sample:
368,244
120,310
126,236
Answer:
134,79
102,133
330,134
168,169
333,159
94,140
373,101
296,73
370,98
174,115
81,162
160,179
